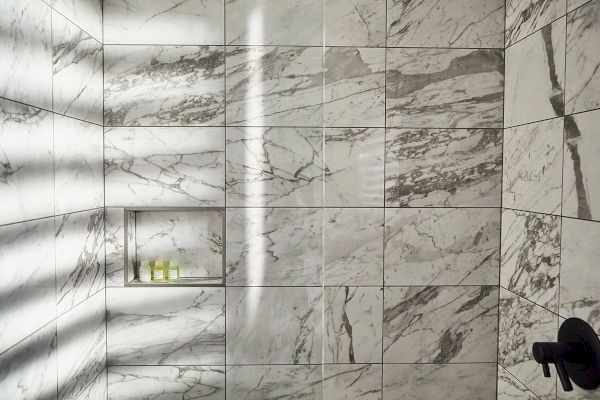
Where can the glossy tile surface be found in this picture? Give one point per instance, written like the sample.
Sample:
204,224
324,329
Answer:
509,387
97,390
523,17
85,13
349,382
355,23
114,243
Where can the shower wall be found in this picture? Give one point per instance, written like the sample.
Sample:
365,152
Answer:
52,298
551,190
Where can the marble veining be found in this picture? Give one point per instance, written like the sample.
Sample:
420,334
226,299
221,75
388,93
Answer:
164,166
354,87
114,242
523,17
352,382
441,23
442,246
573,4
531,256
85,13
443,167
532,178
355,23
274,325
274,167
97,390
164,85
440,325
509,387
451,88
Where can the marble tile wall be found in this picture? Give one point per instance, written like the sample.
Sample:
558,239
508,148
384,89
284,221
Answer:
52,299
550,217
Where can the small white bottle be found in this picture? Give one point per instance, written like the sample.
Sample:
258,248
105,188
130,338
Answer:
145,272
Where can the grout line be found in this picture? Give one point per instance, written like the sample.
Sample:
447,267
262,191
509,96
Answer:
536,31
73,22
50,111
517,379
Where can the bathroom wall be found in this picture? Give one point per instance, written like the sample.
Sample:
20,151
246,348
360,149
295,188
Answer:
52,297
551,190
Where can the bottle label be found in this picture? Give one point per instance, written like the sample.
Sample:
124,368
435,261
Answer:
158,274
144,275
173,274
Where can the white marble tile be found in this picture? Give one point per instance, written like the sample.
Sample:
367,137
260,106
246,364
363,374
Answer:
163,85
275,86
532,178
523,17
354,167
452,88
579,274
509,388
583,59
78,165
353,325
448,382
355,23
28,291
274,167
573,4
166,383
434,23
535,70
274,22
275,382
189,22
114,242
274,325
531,256
354,87
166,326
439,325
79,257
352,382
28,370
274,247
26,163
77,71
81,351
26,51
85,13
164,166
443,167
97,390
353,247
442,246
581,186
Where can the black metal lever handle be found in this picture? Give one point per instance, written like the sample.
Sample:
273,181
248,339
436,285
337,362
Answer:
563,375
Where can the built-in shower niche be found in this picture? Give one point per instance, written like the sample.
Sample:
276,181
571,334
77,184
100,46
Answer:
193,237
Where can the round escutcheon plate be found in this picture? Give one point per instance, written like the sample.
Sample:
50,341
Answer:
586,374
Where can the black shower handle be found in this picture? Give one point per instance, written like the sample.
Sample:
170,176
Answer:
557,353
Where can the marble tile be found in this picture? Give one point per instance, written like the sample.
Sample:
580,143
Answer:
442,246
274,86
274,22
270,325
577,394
28,296
535,69
79,257
189,22
453,88
114,242
166,383
448,382
26,49
354,87
97,390
522,323
354,166
26,162
81,351
274,167
532,178
163,85
274,247
583,59
78,165
579,276
137,317
77,71
164,166
85,13
581,187
443,167
274,382
355,23
352,382
439,325
573,4
353,246
353,324
523,17
433,23
531,256
509,388
28,370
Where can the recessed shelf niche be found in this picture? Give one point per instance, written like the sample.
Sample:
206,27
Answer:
194,237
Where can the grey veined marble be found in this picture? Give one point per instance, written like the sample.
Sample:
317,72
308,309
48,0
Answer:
510,388
85,13
453,88
97,390
114,242
163,85
355,22
352,381
523,17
